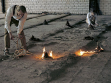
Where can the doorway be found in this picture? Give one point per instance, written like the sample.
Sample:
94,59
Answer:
94,5
2,6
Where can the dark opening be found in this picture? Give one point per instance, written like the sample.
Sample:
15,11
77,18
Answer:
94,4
3,5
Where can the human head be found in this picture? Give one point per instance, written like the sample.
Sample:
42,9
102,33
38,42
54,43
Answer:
21,10
92,11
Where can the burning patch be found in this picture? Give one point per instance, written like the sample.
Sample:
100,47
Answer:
96,50
99,49
86,52
45,55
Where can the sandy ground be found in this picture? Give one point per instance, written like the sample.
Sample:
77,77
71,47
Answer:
64,41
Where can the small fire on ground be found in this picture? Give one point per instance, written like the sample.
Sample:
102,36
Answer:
88,53
46,55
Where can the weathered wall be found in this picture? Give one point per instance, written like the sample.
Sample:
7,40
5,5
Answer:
105,7
0,7
61,6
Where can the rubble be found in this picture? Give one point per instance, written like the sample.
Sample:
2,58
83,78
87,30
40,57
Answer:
45,22
99,48
34,39
68,24
88,38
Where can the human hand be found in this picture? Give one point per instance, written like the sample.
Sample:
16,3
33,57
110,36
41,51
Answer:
11,36
20,36
97,24
93,25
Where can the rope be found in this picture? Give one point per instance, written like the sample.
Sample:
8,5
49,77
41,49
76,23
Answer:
19,49
16,42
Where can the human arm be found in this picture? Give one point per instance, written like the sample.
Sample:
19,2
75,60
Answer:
8,16
11,36
88,20
21,25
96,20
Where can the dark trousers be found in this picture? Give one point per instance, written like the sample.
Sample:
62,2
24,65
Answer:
7,38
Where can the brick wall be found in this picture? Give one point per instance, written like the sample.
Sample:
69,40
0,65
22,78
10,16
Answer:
105,7
59,6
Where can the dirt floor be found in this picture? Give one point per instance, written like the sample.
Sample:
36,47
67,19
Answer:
65,42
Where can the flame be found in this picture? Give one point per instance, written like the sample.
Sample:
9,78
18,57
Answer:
84,53
81,52
101,48
43,52
50,53
44,49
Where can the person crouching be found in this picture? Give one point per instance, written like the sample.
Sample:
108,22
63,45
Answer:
15,15
91,20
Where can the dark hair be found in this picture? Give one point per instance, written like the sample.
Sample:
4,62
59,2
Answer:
22,8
